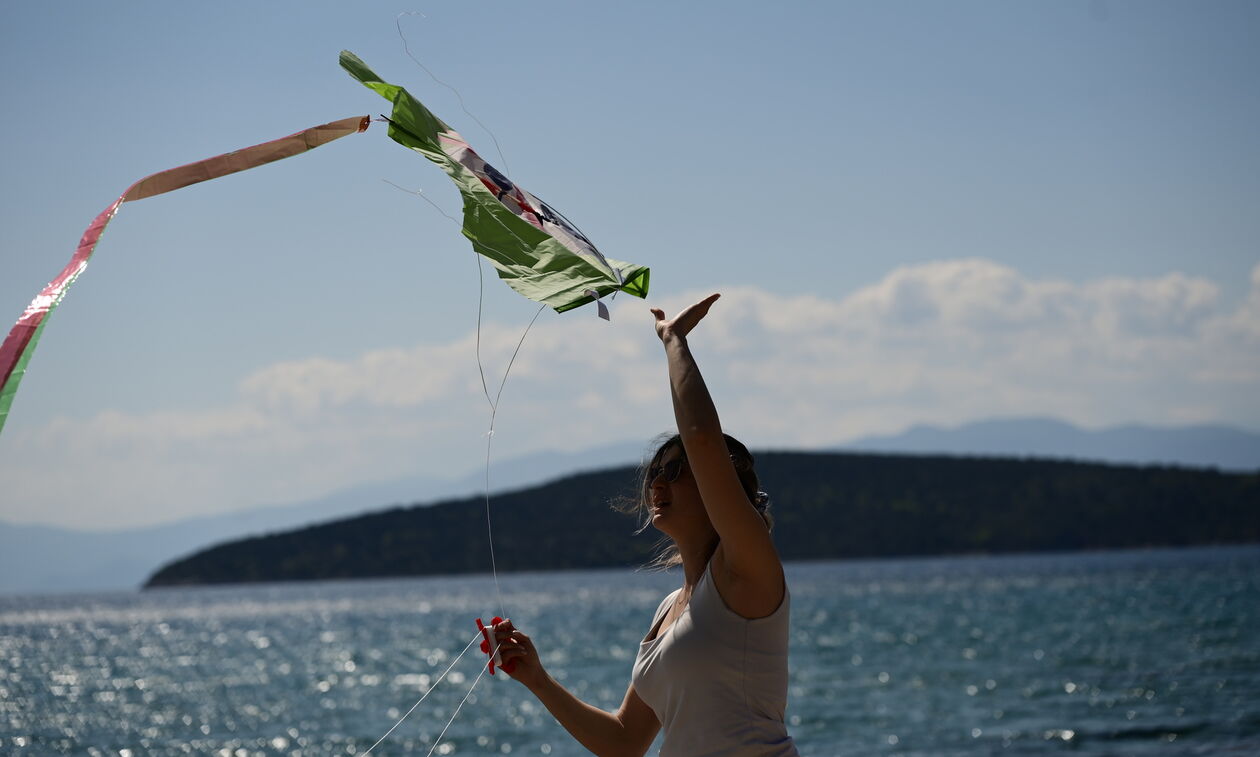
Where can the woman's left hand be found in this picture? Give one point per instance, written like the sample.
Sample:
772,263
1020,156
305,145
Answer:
682,324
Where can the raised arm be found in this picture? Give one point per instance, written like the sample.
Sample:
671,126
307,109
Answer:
746,553
628,732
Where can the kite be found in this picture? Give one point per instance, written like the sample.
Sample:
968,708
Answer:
16,350
536,250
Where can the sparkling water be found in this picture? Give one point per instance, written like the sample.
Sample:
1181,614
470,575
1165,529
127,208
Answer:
1104,653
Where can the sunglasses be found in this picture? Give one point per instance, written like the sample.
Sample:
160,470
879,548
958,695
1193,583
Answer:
670,470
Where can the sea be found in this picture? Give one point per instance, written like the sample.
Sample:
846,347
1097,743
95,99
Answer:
1111,653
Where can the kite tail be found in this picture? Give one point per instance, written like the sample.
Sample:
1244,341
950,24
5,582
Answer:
18,346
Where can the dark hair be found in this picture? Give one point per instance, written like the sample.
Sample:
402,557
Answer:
640,506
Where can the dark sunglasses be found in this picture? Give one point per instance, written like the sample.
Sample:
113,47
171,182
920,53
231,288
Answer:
671,470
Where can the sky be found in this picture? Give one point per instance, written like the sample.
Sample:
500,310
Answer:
916,213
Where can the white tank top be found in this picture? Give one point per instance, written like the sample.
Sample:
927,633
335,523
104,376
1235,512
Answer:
717,681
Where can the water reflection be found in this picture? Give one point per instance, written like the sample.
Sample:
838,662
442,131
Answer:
1102,654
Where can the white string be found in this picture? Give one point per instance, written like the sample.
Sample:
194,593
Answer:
494,410
494,404
398,23
460,706
420,193
481,283
485,388
425,696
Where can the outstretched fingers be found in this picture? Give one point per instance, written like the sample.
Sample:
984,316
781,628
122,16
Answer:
686,320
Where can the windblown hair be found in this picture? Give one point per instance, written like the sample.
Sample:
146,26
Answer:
640,506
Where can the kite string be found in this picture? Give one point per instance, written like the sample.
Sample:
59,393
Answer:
460,706
398,24
420,193
480,285
425,696
493,403
494,410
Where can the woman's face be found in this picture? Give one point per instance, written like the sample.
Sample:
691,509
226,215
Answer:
676,507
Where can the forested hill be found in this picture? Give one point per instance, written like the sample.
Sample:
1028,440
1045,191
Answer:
827,505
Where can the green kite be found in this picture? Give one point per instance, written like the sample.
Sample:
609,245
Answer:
535,249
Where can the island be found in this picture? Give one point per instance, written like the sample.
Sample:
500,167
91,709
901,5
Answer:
827,505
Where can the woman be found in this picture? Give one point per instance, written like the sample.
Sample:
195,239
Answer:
712,671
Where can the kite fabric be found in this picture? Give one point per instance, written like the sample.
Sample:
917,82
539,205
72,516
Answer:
536,250
16,350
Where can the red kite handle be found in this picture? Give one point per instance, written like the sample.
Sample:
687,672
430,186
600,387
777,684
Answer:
490,648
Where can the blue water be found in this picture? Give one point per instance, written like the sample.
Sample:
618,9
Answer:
1106,653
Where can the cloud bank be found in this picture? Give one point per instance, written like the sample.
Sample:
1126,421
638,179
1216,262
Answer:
944,342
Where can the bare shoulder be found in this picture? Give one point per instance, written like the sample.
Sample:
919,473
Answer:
750,597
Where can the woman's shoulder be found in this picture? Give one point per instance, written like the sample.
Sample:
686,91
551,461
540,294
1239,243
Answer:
664,606
750,600
661,611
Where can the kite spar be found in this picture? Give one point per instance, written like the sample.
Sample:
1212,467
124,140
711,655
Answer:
16,350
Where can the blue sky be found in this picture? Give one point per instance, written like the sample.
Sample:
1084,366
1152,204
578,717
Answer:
918,212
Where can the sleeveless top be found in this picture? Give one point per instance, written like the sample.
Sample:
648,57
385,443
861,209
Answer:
717,681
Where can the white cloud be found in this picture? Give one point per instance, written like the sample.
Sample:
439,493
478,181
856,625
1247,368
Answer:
942,342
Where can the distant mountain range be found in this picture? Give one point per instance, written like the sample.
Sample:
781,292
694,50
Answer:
38,559
1221,447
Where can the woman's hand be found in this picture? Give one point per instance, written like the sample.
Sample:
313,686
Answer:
516,647
682,324
628,731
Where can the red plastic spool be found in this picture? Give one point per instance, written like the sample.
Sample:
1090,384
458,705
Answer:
488,646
